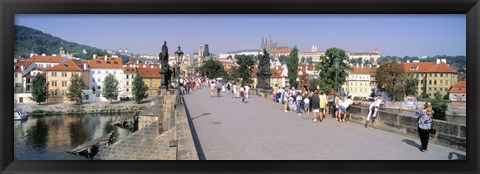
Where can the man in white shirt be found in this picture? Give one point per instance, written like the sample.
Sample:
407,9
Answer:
373,109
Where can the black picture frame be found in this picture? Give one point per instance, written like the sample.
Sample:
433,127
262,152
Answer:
8,8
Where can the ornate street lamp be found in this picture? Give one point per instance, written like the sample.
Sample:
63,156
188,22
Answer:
179,57
337,64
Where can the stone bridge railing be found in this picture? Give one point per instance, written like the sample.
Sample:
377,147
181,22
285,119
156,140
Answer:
164,134
449,134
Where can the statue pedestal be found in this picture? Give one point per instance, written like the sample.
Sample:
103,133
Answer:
163,80
264,81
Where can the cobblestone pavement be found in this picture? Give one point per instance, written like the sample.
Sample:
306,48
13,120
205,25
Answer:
260,129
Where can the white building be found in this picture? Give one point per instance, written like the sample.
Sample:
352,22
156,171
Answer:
129,72
45,61
244,52
358,82
100,67
366,55
458,92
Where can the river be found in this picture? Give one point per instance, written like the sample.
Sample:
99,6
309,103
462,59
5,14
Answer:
49,137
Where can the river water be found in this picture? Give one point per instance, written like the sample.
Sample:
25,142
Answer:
49,137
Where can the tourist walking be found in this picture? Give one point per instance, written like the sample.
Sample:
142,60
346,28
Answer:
212,89
306,102
337,104
299,103
285,100
425,124
247,90
235,89
219,87
344,106
242,94
316,106
323,104
373,109
291,102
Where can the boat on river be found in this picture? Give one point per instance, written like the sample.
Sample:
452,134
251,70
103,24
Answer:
18,114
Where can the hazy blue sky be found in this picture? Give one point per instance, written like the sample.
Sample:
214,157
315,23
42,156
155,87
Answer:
413,35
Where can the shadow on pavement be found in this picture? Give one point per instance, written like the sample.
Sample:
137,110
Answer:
459,156
198,146
411,143
204,114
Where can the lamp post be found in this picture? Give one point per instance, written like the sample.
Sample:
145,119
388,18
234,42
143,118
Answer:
337,64
179,57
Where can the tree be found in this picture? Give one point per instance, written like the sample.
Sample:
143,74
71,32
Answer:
292,65
309,60
232,74
411,86
392,79
110,88
211,68
327,69
439,106
244,70
302,60
282,59
75,90
39,88
139,89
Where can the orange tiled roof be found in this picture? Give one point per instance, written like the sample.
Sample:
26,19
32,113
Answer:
282,50
112,62
69,65
427,67
459,87
149,72
25,64
360,70
129,69
53,59
131,61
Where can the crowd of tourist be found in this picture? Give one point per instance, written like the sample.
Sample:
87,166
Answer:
311,101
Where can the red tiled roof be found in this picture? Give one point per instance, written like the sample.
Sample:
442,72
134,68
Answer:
360,70
427,67
422,66
25,64
441,67
149,72
53,59
129,69
282,50
459,87
69,65
112,62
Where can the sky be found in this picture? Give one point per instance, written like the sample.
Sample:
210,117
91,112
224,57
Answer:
395,35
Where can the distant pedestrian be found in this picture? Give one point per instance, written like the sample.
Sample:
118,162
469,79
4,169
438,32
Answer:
242,94
291,102
285,100
247,90
323,104
306,101
316,106
235,90
212,89
218,85
337,104
299,103
425,124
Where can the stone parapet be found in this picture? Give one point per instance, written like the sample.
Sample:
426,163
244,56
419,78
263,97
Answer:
448,134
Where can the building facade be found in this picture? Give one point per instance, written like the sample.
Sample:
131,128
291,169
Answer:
358,81
100,67
58,79
458,92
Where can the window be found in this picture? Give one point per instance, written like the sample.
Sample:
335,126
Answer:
446,82
54,93
429,89
54,83
54,74
64,83
63,93
18,84
429,74
127,76
64,74
435,74
435,82
16,75
430,82
446,75
441,82
74,73
127,83
99,80
93,80
434,89
99,87
127,90
441,74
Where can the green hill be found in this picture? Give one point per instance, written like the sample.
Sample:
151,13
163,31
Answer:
29,40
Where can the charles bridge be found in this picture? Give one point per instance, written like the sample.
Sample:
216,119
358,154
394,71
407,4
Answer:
222,128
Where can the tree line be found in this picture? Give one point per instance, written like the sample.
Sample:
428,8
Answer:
75,93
